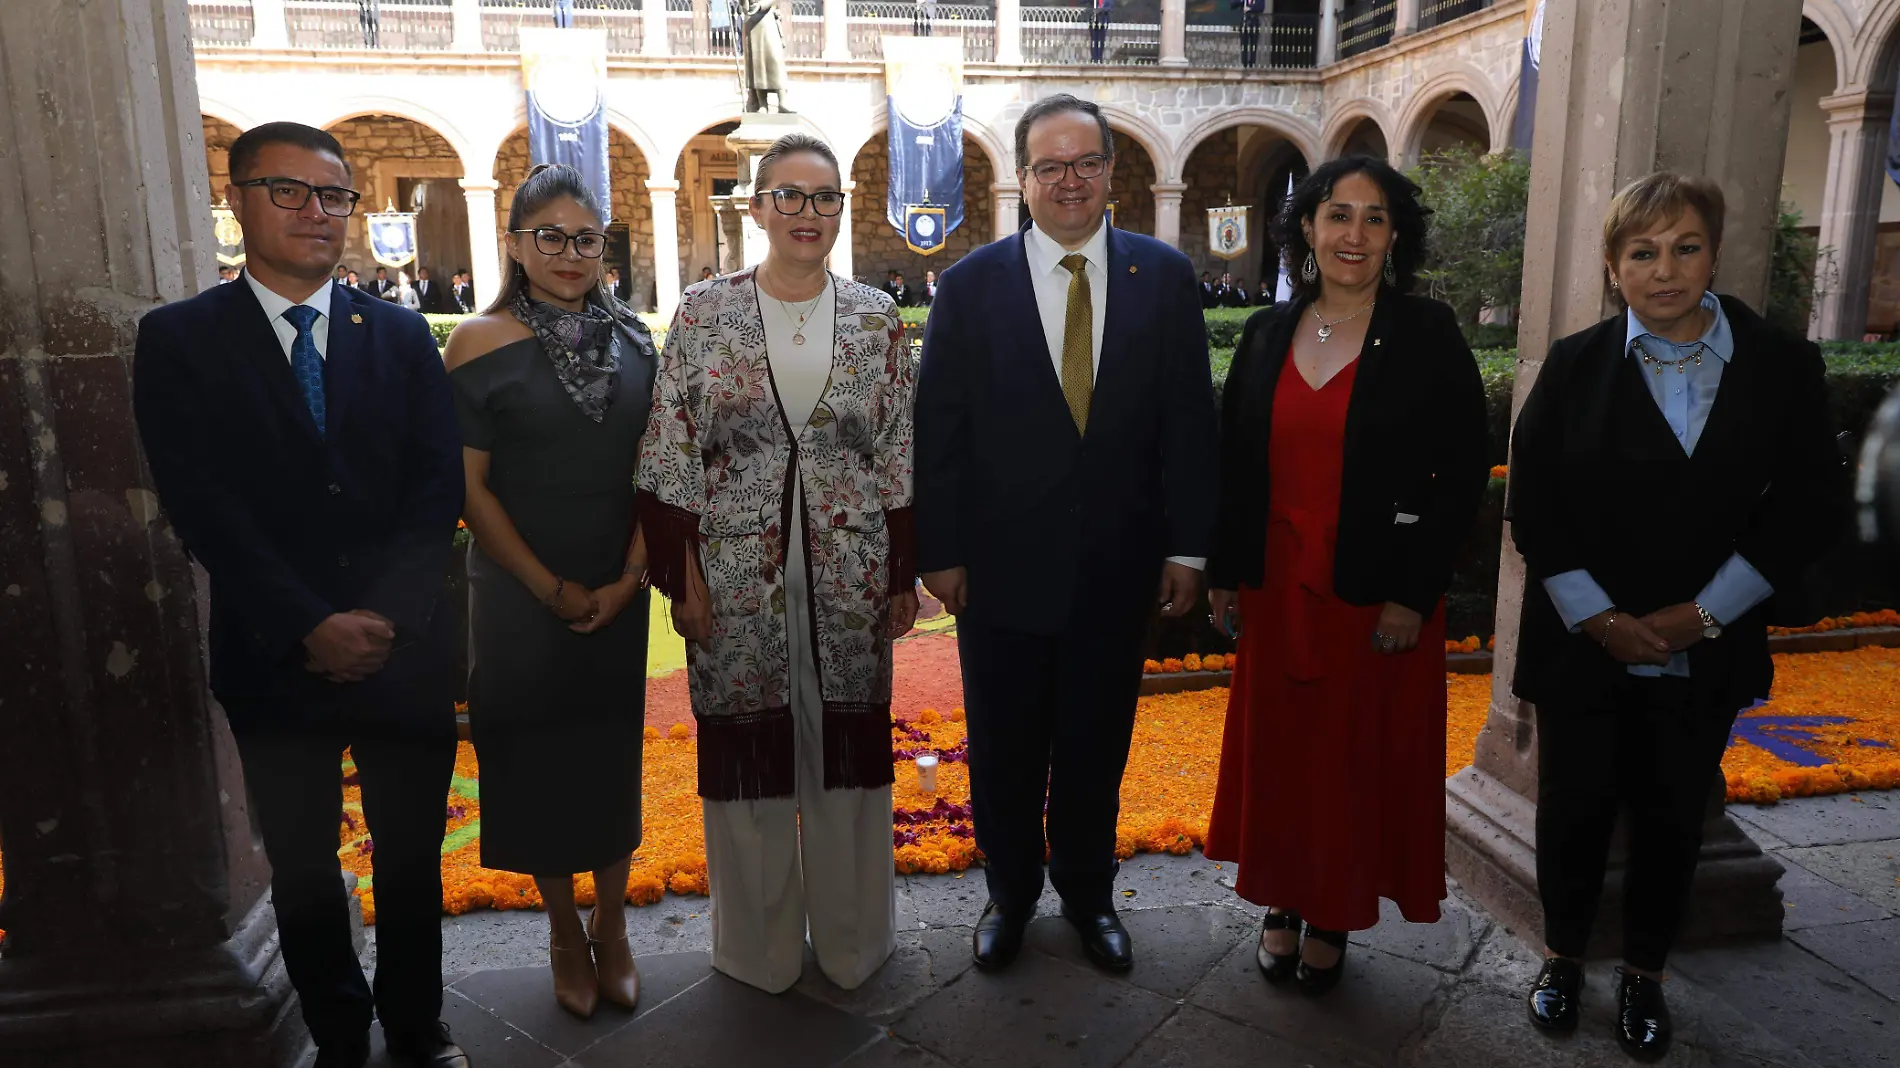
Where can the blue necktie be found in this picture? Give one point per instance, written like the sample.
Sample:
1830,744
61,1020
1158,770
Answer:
305,364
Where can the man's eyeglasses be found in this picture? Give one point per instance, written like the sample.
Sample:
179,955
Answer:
1051,171
792,201
590,244
291,195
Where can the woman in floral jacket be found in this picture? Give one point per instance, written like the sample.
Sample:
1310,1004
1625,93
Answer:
775,498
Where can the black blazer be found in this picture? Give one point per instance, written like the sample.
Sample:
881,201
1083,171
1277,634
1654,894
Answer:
293,526
433,296
1599,482
1007,488
1415,446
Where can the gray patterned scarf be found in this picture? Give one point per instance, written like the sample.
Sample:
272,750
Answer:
581,345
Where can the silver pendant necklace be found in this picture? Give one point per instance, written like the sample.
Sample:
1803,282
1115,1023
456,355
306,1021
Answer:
1326,328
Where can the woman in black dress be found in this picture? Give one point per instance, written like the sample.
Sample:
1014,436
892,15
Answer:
552,385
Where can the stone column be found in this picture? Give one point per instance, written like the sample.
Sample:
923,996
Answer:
1173,50
1007,208
138,924
466,34
1692,85
837,36
666,245
269,28
1328,32
1168,212
840,261
653,37
1009,31
1405,18
484,242
1850,211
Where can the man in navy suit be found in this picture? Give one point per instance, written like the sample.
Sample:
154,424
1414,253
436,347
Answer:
304,445
1065,474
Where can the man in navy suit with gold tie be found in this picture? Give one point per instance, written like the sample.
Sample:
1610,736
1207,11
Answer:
1065,488
304,445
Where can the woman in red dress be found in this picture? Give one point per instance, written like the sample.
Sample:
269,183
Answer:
1353,459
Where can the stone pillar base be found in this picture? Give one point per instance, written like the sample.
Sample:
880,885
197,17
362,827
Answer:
1490,848
224,1006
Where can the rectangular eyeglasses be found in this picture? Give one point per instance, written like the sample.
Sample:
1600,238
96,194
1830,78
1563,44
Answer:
291,195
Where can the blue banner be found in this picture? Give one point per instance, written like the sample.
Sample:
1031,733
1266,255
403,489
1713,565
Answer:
565,72
1525,122
926,168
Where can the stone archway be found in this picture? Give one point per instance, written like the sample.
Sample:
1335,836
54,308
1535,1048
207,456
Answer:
876,246
632,209
408,164
218,137
1359,127
1251,164
1452,122
1132,191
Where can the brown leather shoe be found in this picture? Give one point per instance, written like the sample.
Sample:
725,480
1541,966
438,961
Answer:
575,985
617,975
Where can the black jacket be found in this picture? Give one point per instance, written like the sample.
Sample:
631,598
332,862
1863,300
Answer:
1415,447
1599,482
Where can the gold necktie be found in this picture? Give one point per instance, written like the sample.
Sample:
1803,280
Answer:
1078,345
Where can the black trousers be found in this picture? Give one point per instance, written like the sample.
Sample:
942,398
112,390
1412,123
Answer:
1049,722
1654,750
295,780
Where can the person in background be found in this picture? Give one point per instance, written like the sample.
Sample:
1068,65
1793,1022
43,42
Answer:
1673,468
405,292
613,283
1209,295
1237,295
380,285
465,292
553,383
1349,477
929,292
431,298
226,274
1250,16
705,273
351,280
1053,522
898,290
341,276
1100,11
781,529
303,442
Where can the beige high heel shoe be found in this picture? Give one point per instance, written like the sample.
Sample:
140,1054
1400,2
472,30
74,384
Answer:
576,987
616,974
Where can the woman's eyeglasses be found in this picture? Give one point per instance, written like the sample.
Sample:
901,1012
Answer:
589,244
792,201
291,195
1051,171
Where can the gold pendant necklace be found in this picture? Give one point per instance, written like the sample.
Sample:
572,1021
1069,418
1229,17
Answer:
798,317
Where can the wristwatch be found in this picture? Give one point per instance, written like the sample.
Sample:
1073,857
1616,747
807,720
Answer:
1710,628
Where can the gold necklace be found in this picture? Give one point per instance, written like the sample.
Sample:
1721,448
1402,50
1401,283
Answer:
798,318
1681,365
1326,328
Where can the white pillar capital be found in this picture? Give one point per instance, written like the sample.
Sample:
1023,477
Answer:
466,26
1173,44
663,187
1009,31
269,27
1844,108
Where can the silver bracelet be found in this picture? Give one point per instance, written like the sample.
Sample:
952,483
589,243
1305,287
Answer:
1607,624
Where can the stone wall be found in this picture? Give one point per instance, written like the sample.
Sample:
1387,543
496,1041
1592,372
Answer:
876,246
1132,192
631,203
415,151
218,136
1212,174
1488,46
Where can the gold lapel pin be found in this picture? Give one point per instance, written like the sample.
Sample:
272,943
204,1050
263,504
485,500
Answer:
1131,268
357,319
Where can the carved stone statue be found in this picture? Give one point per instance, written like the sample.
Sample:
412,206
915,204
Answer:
762,66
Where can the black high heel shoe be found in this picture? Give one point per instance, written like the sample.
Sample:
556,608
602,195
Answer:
1277,967
1320,980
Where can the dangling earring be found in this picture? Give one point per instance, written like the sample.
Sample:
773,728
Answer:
1391,273
1309,271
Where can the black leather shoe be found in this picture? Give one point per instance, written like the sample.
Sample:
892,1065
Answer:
353,1054
1104,937
429,1047
1557,994
1320,980
1642,1017
998,938
1277,967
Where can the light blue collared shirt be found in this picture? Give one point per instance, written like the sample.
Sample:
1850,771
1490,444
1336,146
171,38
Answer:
1685,398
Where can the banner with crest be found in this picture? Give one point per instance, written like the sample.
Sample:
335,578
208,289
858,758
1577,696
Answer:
923,77
392,236
229,234
565,72
1227,231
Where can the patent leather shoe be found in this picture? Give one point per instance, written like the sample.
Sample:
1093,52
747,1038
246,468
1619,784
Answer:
997,940
1642,1017
1277,967
1556,996
1104,938
426,1047
1319,980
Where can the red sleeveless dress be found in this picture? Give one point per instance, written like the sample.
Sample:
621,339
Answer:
1332,788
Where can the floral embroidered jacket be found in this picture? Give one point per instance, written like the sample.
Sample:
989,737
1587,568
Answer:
715,484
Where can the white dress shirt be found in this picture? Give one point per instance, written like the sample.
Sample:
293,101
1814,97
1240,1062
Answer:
1051,282
275,307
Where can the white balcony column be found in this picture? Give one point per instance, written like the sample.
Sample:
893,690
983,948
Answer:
1007,208
1168,212
484,243
1405,19
666,245
840,261
1850,212
466,32
1328,33
653,38
269,27
1173,33
1009,32
837,27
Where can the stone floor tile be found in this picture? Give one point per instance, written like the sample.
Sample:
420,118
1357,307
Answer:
1484,1027
1157,880
518,938
487,1039
1445,944
1869,870
1768,840
723,1023
1380,1003
525,998
1812,901
1802,1001
942,900
893,1052
1040,1011
1174,946
1833,820
924,963
1504,962
1868,951
1194,1038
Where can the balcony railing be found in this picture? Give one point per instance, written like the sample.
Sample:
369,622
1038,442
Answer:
221,22
1438,12
1365,25
1273,40
502,21
871,22
390,25
1077,36
711,28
